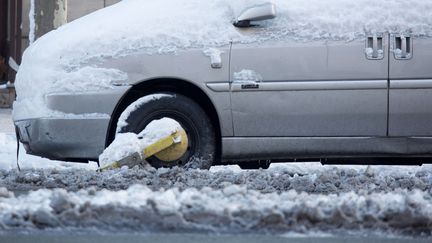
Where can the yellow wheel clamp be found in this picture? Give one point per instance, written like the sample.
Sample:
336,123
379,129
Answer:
165,147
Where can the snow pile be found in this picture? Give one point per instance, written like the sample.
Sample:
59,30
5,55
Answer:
231,209
304,177
126,144
62,59
7,151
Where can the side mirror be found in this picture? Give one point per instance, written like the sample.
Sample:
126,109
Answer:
255,13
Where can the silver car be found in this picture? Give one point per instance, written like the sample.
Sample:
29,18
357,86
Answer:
362,101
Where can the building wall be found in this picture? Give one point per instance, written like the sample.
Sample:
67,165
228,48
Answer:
10,45
79,8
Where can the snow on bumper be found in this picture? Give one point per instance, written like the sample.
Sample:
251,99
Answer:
64,138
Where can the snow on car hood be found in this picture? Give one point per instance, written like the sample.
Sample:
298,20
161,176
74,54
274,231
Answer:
66,59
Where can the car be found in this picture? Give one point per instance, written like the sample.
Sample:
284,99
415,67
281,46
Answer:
364,100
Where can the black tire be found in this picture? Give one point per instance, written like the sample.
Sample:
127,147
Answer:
255,165
193,119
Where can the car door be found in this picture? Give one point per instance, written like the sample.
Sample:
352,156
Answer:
410,110
325,88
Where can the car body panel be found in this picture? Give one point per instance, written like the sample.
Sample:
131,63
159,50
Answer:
275,148
410,112
64,138
310,89
99,102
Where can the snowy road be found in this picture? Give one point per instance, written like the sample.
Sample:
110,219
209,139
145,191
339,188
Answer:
289,199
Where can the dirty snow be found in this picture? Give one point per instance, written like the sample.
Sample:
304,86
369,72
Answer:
231,209
302,177
126,144
63,54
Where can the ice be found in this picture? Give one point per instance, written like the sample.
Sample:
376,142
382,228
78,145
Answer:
168,26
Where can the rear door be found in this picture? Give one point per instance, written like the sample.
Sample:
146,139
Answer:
410,110
320,88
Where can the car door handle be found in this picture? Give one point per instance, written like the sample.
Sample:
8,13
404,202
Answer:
374,47
402,47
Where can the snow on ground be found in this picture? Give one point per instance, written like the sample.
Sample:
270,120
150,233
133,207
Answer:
302,177
228,210
61,58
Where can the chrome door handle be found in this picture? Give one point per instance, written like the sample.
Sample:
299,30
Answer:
402,47
374,47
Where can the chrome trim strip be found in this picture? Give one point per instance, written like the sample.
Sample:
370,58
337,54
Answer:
411,84
314,85
218,87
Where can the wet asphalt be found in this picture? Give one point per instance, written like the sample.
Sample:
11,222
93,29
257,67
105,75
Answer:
195,238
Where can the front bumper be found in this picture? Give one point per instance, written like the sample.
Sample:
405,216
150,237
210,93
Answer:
72,139
76,131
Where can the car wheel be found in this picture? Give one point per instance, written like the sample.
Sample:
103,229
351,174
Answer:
201,147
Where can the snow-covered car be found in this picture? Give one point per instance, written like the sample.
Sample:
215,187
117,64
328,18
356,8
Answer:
247,80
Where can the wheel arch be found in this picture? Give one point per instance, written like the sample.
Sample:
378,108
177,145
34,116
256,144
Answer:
174,85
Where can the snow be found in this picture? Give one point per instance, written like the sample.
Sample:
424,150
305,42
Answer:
134,106
126,144
215,57
231,209
133,26
247,76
